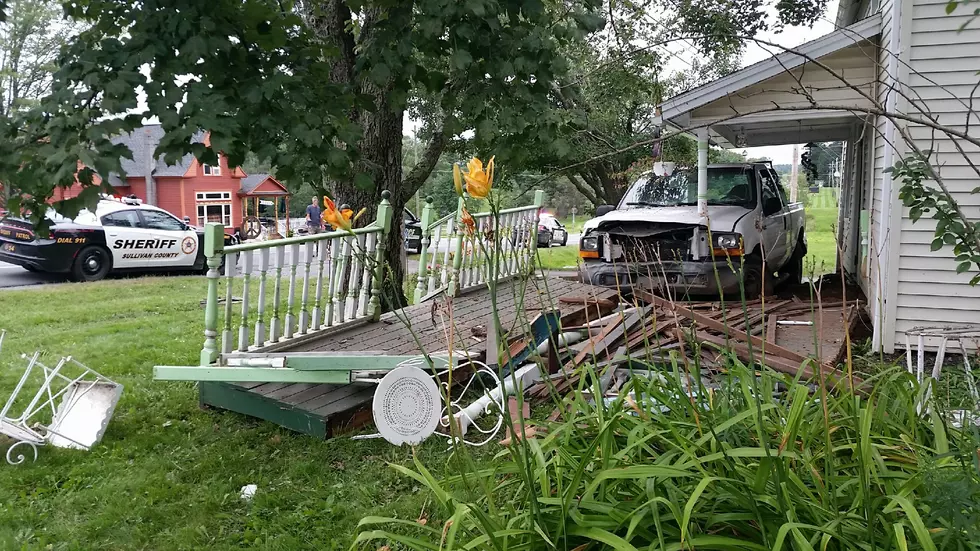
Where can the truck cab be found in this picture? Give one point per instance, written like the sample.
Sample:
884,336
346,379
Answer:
749,235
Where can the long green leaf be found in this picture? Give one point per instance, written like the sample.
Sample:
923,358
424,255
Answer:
919,527
603,536
689,506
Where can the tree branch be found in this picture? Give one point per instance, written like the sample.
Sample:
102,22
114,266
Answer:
427,162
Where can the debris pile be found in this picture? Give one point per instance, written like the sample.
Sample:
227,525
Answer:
788,335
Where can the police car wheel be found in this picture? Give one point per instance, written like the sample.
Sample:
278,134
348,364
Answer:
91,264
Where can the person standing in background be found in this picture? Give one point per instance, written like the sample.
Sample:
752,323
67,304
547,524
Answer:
313,221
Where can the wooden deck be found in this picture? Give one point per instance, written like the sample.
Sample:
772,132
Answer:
325,410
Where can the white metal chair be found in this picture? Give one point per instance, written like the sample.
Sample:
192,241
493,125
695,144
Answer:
960,334
70,409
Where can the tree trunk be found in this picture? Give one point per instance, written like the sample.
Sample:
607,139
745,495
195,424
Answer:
381,154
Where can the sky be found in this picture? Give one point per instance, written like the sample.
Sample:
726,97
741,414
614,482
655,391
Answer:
754,53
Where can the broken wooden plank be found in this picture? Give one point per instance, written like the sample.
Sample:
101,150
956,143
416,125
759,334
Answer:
771,330
709,323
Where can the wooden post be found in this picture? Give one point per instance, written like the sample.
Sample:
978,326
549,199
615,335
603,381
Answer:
275,205
214,246
456,243
287,215
428,213
383,221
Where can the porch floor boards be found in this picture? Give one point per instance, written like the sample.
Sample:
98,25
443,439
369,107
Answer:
324,410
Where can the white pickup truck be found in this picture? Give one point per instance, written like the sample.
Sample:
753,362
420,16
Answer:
656,238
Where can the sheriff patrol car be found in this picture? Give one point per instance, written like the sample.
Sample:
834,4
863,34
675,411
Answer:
121,235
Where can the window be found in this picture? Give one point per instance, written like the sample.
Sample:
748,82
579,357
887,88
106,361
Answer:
217,213
212,170
159,220
726,186
769,193
214,196
122,219
214,206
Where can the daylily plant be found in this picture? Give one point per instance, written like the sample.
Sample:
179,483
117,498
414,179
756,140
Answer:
339,218
479,180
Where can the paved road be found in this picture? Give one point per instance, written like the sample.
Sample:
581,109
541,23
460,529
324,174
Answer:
15,277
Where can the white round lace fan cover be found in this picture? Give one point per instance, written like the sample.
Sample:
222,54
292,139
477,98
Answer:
407,406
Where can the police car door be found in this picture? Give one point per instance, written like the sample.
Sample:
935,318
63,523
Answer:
171,242
123,229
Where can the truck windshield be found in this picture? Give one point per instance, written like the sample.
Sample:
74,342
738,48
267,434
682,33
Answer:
726,186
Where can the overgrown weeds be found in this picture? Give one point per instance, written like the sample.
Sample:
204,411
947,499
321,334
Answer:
753,461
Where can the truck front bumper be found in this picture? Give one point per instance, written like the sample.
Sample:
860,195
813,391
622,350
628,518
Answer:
690,277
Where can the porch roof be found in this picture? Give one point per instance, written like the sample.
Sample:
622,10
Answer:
776,81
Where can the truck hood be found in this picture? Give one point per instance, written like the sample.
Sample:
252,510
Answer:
723,218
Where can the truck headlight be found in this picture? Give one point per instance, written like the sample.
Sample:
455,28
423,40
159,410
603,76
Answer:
588,247
727,244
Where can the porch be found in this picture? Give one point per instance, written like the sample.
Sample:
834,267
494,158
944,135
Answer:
294,332
816,92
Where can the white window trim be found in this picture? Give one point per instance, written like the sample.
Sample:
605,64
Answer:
203,196
225,213
212,170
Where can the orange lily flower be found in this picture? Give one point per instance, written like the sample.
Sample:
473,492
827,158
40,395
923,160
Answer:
340,219
479,180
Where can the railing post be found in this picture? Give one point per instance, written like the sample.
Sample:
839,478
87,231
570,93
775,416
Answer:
457,235
535,219
428,213
383,221
214,246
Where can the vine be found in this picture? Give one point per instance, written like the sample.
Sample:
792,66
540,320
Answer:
952,227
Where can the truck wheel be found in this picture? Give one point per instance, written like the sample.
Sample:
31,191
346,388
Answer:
91,264
754,278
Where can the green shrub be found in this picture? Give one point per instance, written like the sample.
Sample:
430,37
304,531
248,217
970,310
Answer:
756,462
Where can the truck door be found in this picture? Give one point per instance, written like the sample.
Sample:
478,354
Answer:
775,223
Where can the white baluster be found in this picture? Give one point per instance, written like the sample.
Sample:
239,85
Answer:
291,298
436,271
371,248
260,322
276,325
452,234
354,281
322,253
243,329
335,244
342,280
304,312
231,262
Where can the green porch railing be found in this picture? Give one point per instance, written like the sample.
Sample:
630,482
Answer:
453,260
315,282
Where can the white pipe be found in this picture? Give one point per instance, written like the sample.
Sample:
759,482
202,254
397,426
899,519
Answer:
703,174
525,375
565,339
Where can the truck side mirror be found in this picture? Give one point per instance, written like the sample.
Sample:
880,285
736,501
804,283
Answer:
604,209
770,206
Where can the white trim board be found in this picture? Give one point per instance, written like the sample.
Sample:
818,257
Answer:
754,74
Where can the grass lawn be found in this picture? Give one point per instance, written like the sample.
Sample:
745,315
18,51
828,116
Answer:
559,258
167,474
821,244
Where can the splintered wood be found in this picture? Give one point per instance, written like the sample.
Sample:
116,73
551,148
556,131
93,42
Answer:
788,336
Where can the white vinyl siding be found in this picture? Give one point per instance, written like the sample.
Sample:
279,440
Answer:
943,72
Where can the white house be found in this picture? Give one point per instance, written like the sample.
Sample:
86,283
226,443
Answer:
909,57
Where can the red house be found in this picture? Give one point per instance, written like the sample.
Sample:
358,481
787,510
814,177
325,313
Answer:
188,189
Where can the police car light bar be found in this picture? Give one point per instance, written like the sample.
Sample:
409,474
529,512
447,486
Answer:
131,199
